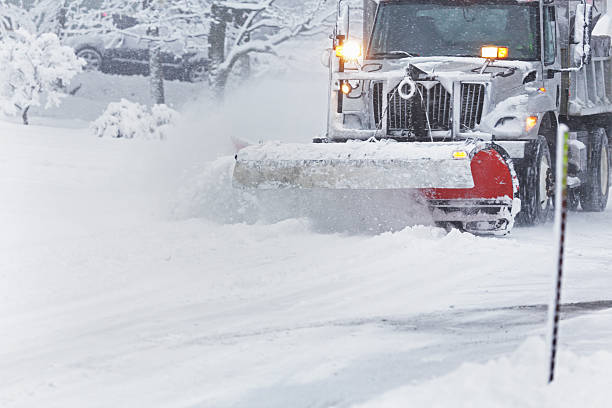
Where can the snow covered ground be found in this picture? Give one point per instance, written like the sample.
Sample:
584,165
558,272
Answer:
93,91
133,275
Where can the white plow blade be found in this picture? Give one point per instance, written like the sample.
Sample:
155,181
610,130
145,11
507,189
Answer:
354,165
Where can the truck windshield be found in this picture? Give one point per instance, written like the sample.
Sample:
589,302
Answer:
455,28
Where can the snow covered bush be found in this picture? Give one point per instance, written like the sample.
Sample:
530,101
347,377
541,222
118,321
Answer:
32,69
130,120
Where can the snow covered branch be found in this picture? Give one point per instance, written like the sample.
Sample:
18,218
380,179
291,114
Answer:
261,29
176,21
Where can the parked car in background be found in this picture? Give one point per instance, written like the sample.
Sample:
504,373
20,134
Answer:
127,53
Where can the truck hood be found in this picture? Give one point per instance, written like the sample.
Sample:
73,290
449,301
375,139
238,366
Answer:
512,85
448,64
507,78
457,68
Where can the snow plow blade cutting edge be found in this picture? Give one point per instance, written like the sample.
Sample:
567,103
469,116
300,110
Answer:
470,184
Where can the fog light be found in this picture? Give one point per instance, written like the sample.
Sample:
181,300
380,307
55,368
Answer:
346,88
459,155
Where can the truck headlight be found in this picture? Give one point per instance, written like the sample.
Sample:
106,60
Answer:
350,50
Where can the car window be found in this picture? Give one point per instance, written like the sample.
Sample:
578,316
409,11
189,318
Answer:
124,22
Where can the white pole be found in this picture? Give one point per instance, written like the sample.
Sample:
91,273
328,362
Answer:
559,237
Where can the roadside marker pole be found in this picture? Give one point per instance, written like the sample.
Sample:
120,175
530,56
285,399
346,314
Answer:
559,237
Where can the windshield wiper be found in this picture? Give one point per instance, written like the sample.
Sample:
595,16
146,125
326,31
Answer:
393,54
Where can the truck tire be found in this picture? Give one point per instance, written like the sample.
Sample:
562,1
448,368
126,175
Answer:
535,182
594,193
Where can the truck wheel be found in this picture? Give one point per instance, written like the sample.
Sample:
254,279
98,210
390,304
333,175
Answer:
594,193
535,185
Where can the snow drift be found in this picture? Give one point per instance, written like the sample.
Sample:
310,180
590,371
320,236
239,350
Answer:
513,381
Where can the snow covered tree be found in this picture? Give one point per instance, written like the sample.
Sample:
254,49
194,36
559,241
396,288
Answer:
159,23
49,16
239,29
12,17
32,68
40,16
230,31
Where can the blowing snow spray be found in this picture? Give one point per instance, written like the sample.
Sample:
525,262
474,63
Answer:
559,237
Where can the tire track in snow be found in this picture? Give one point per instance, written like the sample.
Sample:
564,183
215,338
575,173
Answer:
454,321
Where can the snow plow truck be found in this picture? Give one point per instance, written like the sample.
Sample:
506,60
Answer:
459,100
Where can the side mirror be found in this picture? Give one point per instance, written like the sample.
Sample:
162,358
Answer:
325,58
343,20
582,33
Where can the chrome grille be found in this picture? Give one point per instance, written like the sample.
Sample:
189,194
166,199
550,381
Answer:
437,101
472,103
377,100
401,113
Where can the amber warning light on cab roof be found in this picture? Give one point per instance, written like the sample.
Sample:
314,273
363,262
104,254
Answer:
494,52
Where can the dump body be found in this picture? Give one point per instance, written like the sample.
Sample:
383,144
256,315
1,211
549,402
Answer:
590,90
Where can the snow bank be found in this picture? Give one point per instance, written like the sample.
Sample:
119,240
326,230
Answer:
90,93
132,120
513,381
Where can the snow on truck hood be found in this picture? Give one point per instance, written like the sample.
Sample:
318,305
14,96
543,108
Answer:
451,69
436,65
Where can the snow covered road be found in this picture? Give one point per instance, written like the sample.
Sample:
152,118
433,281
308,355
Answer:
111,297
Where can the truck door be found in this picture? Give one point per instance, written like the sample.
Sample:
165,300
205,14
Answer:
551,60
